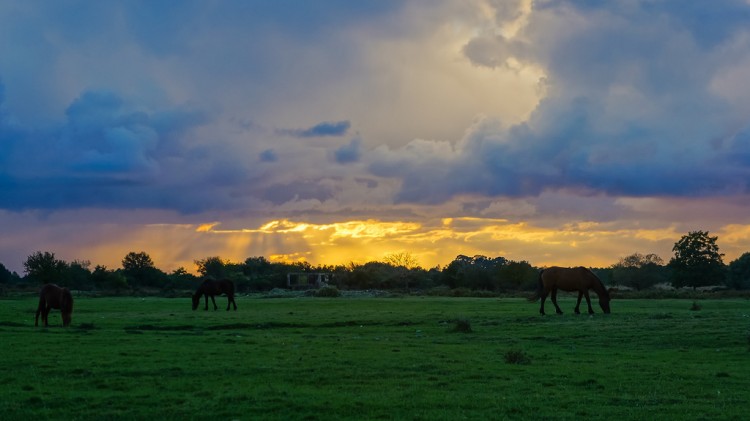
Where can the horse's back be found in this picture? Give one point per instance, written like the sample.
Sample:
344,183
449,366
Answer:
51,293
49,289
212,287
567,279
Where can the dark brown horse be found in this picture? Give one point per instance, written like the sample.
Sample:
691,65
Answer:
211,288
52,296
570,279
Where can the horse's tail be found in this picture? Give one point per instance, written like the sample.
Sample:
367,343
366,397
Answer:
39,309
539,288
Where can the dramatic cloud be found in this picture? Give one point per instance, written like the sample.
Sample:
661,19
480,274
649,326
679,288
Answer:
630,108
484,126
105,154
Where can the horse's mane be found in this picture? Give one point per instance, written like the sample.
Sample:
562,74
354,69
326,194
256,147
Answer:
66,300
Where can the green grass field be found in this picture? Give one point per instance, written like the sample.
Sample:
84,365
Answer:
375,358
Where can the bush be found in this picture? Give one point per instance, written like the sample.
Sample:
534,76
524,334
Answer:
462,326
517,357
329,291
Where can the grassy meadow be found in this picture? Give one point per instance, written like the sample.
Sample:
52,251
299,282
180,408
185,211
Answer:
375,358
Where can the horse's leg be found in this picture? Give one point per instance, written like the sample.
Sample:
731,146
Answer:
214,301
543,298
230,301
45,314
206,297
554,301
588,301
578,304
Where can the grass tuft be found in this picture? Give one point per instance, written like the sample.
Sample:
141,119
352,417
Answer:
695,306
462,325
516,356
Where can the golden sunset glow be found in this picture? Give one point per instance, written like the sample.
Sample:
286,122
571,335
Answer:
360,241
440,128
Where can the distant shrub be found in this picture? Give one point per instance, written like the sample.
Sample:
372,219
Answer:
462,326
516,356
329,291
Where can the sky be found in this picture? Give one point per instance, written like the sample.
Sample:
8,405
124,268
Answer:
335,132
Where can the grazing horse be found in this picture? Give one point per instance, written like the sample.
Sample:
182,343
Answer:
570,279
211,288
52,296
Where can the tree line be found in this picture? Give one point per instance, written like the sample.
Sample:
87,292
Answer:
697,262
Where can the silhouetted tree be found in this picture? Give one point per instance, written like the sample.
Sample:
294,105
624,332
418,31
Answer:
257,266
639,271
110,280
78,275
43,267
739,272
180,279
402,259
516,276
478,272
211,267
697,261
141,271
8,277
259,273
405,268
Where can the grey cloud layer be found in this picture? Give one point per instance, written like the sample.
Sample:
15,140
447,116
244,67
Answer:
641,99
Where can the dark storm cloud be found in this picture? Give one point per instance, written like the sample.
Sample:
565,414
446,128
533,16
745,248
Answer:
325,129
297,190
630,104
92,121
105,153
